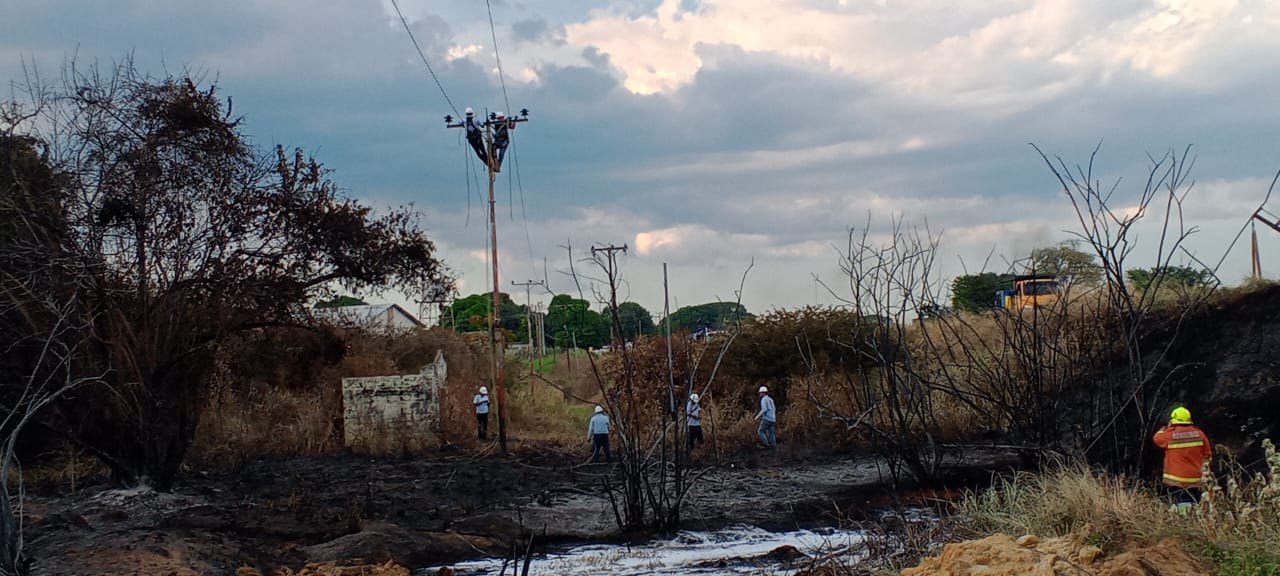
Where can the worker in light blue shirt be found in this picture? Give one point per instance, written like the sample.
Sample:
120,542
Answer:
693,412
768,417
598,434
481,401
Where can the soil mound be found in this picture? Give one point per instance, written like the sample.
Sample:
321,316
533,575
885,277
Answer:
1001,555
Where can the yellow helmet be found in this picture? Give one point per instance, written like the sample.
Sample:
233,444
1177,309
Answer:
1180,415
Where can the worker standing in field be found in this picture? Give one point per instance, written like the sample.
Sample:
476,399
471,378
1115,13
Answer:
693,412
768,417
1186,449
481,402
598,434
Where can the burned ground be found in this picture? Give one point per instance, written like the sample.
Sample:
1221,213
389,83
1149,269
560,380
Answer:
285,513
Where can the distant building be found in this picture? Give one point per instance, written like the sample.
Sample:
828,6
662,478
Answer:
373,317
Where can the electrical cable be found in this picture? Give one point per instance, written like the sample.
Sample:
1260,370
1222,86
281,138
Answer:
528,240
501,76
502,79
424,56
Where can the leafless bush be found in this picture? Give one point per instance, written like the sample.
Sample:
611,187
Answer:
646,405
1124,406
891,283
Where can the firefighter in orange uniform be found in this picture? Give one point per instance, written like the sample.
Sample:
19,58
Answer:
1186,449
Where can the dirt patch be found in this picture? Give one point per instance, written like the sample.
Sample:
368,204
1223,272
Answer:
1001,555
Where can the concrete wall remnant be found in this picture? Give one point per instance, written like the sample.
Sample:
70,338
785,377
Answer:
385,414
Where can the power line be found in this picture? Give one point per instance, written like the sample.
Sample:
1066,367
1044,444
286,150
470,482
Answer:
515,161
496,56
424,56
502,80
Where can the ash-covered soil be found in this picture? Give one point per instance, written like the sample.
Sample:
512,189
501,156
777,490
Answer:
287,513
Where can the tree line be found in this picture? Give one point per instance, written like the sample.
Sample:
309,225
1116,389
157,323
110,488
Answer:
572,323
1076,268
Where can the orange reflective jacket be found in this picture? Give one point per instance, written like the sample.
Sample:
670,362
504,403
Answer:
1186,447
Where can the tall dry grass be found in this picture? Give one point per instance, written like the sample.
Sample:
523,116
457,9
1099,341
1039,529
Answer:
294,408
264,422
1236,526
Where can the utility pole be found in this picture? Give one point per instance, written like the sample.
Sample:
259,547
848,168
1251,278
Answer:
528,315
615,335
489,126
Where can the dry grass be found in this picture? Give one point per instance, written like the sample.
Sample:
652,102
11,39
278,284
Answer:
65,467
1237,526
245,420
543,414
1112,511
298,411
266,422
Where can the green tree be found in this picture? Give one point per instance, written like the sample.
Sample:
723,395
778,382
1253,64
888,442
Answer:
340,301
974,292
472,314
712,316
1169,277
1066,261
635,320
572,323
186,237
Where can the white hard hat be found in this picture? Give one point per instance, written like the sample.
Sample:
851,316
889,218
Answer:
764,389
470,112
484,390
599,408
499,114
694,397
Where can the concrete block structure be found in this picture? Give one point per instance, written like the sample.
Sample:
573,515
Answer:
391,414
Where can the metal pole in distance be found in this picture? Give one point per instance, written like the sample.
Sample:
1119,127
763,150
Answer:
528,316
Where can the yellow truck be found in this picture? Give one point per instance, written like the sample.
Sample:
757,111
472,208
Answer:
1029,291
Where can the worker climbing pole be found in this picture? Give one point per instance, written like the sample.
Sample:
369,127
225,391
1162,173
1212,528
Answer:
493,135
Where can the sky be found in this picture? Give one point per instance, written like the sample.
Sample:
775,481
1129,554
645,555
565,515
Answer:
738,142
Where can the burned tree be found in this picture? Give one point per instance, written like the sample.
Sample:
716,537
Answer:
890,284
1124,409
184,236
42,319
643,388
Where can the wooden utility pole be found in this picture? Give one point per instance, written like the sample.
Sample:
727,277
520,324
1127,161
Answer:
495,341
1271,220
615,332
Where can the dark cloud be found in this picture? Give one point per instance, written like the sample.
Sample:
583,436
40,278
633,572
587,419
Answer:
538,30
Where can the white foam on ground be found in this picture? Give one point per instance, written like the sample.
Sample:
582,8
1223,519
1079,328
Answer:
689,553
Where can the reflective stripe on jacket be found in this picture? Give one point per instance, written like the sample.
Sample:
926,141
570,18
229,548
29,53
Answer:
1186,448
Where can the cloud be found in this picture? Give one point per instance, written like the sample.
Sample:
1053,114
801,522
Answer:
709,133
537,30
